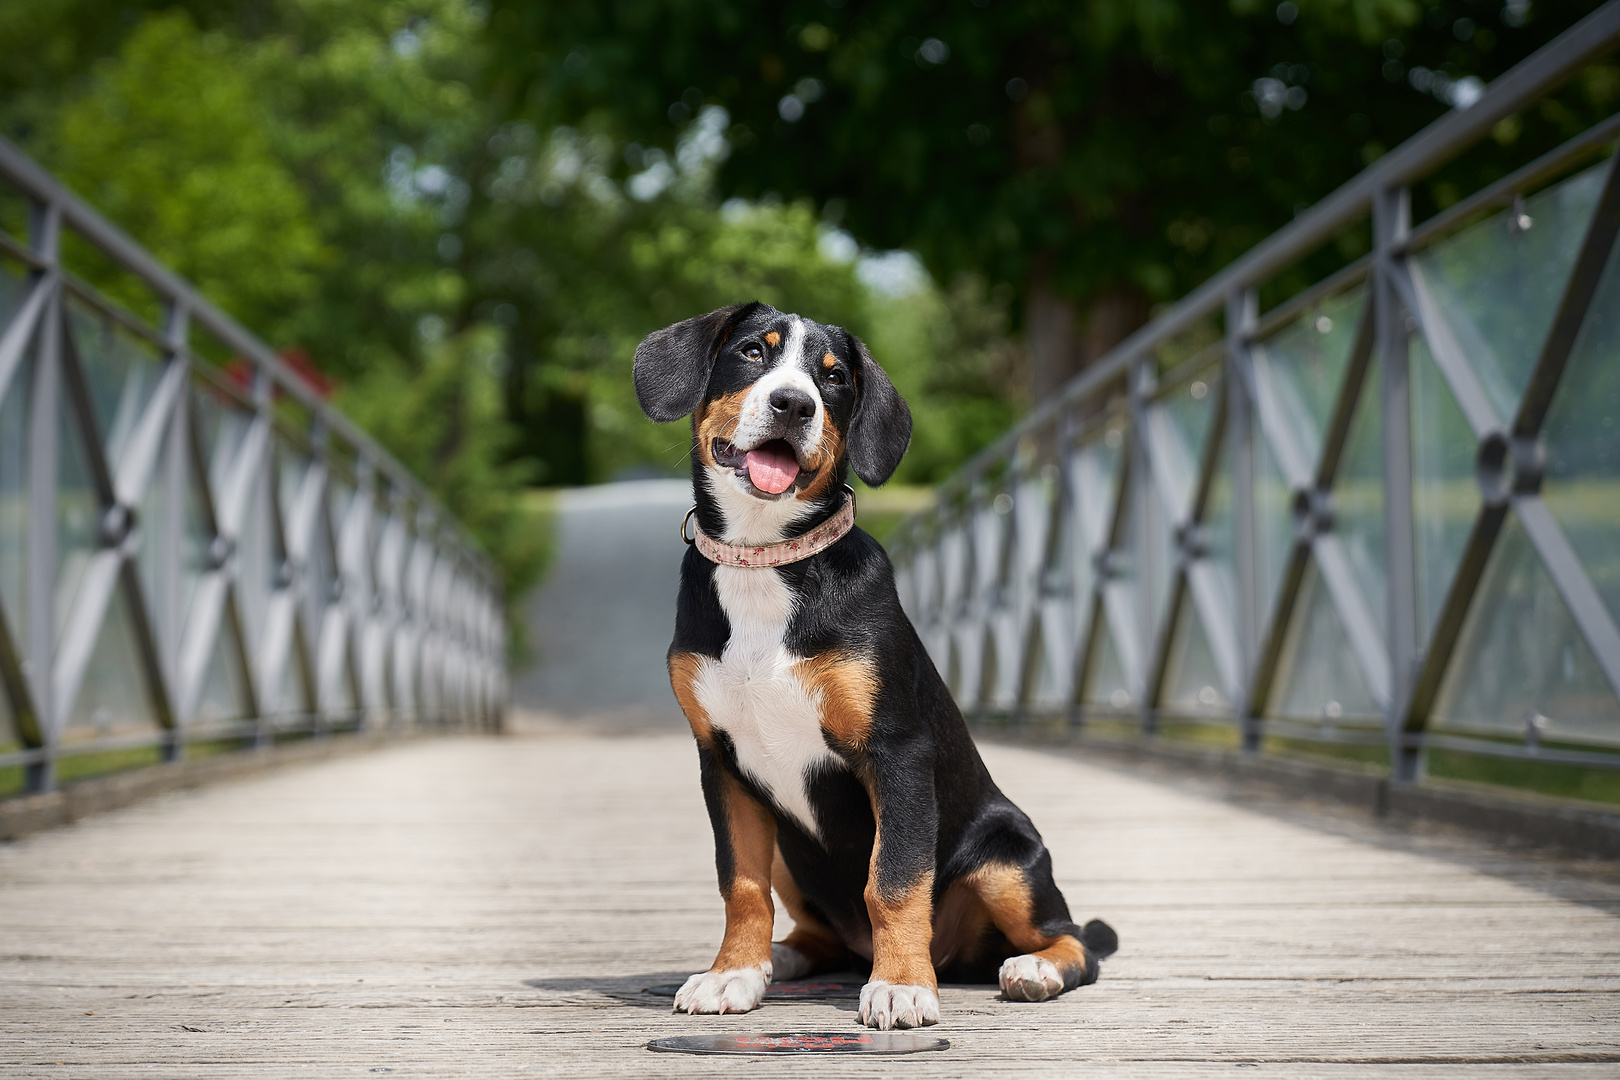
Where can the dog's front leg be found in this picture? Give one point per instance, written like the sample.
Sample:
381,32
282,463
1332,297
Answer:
902,992
744,840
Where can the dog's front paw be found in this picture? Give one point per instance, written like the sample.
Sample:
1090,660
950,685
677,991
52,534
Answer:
735,991
788,962
1030,978
887,1005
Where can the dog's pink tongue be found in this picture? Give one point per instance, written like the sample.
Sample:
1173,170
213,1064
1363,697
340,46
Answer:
772,468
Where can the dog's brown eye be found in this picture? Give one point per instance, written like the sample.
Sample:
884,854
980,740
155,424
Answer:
753,352
835,377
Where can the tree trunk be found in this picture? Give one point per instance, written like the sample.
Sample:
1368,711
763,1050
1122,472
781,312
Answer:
1061,341
1049,340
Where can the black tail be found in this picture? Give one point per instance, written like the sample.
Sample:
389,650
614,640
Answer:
1100,938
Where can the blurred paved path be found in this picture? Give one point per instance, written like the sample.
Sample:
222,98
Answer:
498,907
602,620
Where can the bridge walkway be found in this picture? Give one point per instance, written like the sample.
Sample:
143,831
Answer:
497,907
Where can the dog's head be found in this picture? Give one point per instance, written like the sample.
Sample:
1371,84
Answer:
781,407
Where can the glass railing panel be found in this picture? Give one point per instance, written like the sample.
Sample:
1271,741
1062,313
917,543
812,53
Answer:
1308,358
291,693
337,690
1445,492
1106,681
121,373
78,513
1318,677
1358,497
1521,662
224,695
259,557
1148,556
1582,434
1273,526
115,698
196,557
1498,283
156,542
1219,524
222,425
1181,418
15,426
1193,682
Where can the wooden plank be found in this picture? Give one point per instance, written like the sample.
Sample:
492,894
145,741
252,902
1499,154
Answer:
479,906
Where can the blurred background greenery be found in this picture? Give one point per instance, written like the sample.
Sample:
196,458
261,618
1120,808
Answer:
465,213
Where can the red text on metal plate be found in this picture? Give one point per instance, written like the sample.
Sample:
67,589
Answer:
796,1042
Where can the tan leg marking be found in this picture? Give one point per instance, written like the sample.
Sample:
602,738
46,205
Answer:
683,672
902,932
750,914
902,924
1005,895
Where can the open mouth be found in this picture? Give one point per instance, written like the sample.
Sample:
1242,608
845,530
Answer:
771,467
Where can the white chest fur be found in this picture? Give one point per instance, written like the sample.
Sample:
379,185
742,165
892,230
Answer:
755,696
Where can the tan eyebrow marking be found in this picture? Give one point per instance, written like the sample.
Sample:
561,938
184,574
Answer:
773,339
829,360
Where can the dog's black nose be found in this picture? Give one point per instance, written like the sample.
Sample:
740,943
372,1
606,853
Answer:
794,406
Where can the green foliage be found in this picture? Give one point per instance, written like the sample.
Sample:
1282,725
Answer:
1091,146
949,355
170,140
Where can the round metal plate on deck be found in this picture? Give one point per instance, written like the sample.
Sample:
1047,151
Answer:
802,1042
793,990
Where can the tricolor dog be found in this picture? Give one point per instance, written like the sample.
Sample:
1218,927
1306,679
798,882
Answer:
836,768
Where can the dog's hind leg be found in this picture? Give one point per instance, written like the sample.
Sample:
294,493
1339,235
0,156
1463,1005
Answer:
1026,906
812,945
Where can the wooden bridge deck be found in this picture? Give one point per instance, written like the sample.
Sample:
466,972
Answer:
496,907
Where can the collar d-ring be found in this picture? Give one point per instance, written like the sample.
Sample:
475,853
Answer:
693,538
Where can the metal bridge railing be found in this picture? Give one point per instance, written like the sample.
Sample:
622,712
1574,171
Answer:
1386,511
193,553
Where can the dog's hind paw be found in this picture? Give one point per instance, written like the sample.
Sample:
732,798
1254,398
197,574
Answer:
887,1005
735,991
788,962
1030,978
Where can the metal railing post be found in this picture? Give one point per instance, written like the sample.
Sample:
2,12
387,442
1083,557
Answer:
1392,215
1142,382
44,408
168,607
1242,309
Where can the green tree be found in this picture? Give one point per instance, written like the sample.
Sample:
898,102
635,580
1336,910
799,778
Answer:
171,140
1101,157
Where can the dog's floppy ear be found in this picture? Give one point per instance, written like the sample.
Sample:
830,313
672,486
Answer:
672,365
881,428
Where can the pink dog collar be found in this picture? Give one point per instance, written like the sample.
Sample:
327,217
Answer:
815,541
